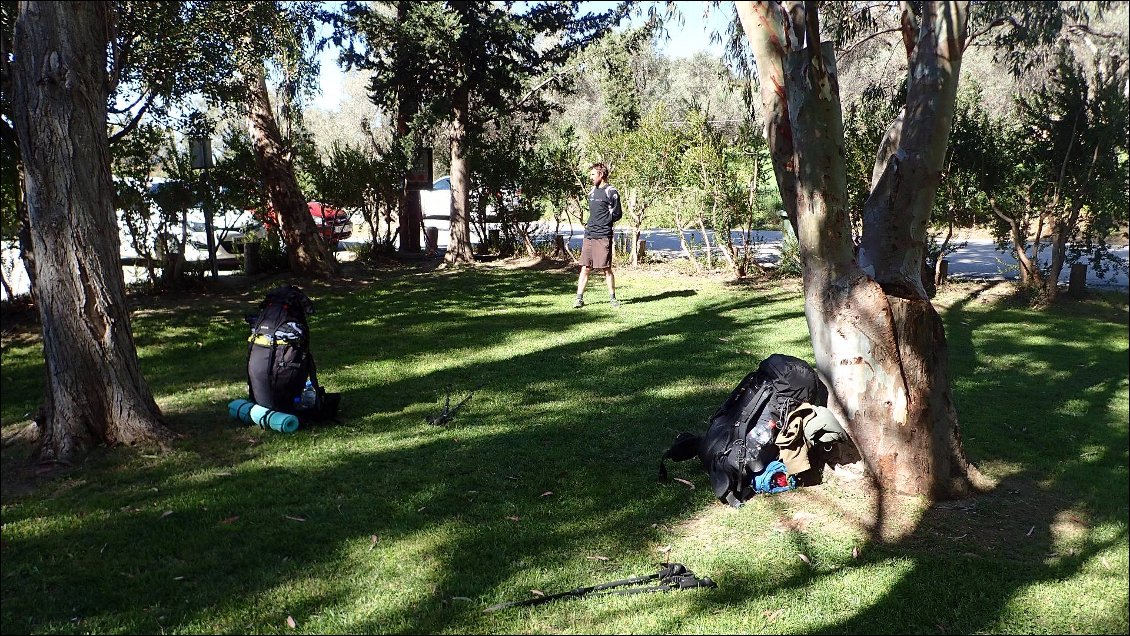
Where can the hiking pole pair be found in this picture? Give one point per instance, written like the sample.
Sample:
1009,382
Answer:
672,576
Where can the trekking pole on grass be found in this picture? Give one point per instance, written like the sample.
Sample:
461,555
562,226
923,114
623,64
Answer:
673,576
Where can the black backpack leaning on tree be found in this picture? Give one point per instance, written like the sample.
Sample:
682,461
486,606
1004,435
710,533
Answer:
279,360
731,458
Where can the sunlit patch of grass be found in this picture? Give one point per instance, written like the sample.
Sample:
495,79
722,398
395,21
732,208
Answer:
546,480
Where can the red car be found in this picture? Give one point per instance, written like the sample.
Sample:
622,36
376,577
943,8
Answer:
332,224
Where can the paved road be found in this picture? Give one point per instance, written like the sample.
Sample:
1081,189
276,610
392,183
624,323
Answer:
978,259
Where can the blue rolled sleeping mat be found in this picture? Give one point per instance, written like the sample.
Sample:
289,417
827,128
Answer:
252,413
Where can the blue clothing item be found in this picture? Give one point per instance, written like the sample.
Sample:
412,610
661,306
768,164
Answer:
765,481
604,210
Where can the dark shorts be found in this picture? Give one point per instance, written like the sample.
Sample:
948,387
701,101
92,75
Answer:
596,253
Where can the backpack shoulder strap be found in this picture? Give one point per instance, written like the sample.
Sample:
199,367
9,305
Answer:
686,446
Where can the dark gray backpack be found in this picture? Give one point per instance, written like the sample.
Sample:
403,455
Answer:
279,361
727,452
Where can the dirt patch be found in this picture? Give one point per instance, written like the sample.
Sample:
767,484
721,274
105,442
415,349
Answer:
535,263
1017,517
984,292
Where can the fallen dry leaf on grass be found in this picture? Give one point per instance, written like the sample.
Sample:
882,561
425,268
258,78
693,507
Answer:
230,519
855,552
804,557
598,558
166,513
294,518
547,493
291,623
664,549
773,615
537,592
372,541
683,481
514,519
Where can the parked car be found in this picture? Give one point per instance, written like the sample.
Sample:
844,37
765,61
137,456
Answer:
333,224
436,203
230,229
233,227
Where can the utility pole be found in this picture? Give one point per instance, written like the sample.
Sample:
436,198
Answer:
201,151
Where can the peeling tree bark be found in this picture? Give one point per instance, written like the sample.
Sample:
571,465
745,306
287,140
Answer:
95,393
305,248
765,27
909,166
882,355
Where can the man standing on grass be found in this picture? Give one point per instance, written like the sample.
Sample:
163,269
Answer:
596,249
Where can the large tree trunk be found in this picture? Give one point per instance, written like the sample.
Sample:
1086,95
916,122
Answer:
305,248
459,244
878,343
95,392
411,213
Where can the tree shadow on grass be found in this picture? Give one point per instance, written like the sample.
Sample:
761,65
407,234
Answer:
675,293
1059,504
462,512
571,431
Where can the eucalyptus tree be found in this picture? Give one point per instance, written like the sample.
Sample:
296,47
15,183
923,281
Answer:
280,33
879,344
463,64
95,392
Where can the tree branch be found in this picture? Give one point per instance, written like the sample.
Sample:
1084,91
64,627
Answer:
121,58
1084,28
869,38
992,25
133,124
909,27
117,111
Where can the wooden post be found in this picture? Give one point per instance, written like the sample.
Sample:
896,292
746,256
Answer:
943,271
492,241
641,251
432,238
1077,283
558,245
252,259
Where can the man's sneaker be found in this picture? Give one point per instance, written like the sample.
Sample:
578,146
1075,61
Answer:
580,303
614,303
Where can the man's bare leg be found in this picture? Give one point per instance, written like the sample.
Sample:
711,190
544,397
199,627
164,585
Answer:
610,281
581,282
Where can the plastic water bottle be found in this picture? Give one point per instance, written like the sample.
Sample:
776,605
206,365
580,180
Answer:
309,396
763,432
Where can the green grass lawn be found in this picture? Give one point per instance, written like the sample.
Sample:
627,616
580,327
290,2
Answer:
546,480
